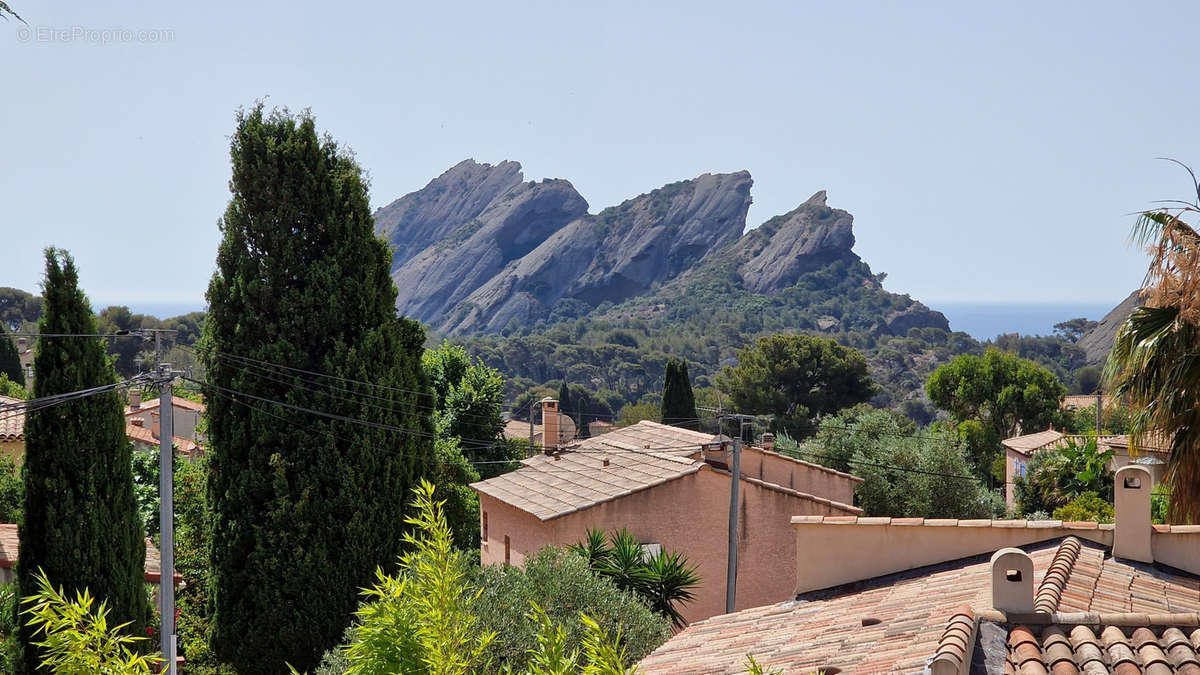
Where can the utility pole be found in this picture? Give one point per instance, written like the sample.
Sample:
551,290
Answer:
166,512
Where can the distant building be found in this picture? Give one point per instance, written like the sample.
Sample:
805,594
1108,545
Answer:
1018,450
670,488
518,429
187,414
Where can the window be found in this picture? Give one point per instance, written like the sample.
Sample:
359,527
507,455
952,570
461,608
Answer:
485,525
507,551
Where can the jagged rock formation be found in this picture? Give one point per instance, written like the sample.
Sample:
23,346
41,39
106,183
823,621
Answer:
1098,342
478,250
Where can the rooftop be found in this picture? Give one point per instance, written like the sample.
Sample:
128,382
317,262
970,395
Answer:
897,622
176,401
143,435
12,421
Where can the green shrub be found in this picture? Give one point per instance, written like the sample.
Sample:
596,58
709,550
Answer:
563,585
76,638
1086,507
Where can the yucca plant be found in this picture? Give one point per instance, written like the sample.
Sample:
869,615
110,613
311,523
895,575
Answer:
664,580
1155,359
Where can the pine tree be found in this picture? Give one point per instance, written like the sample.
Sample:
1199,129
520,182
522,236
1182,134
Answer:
10,361
305,507
81,525
678,402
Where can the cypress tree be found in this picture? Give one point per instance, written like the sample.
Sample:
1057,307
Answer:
678,402
81,525
10,361
304,507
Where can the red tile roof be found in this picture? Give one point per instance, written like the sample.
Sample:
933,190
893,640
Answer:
176,401
146,436
12,420
899,622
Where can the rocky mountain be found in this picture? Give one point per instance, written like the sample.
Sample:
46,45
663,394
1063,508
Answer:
1098,342
478,250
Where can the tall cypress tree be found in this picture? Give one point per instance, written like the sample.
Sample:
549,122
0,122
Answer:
10,360
304,507
81,524
678,401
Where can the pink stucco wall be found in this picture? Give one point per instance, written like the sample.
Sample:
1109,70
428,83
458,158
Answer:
801,476
689,515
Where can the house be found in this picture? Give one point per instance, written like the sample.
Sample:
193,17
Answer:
597,427
12,428
1083,401
975,596
670,487
519,429
25,353
10,545
148,439
187,415
1019,449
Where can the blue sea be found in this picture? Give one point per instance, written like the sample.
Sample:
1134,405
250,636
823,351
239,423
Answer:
984,321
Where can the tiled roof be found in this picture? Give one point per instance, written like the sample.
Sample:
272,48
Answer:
1077,401
10,545
648,435
144,435
1029,443
12,422
549,487
520,429
176,401
899,622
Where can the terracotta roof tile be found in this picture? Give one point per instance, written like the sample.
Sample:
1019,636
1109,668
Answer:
176,401
920,613
12,420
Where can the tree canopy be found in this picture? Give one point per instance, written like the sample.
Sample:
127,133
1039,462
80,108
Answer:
305,507
795,378
81,526
1004,392
678,402
10,360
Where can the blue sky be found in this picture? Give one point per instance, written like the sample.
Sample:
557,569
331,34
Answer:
989,153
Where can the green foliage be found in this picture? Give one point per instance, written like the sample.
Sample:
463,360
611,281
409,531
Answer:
75,637
632,413
905,474
1116,420
12,389
753,667
1055,477
192,541
80,520
562,584
421,620
11,654
678,402
1087,506
468,399
305,508
145,489
796,378
1073,329
10,360
664,580
12,491
452,474
1002,392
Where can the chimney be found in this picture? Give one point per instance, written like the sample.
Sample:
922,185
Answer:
1012,581
135,399
605,460
768,442
549,425
1131,497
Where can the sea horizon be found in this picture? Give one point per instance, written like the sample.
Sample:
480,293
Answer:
985,320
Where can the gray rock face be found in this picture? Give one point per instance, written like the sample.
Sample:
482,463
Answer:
421,218
916,315
1098,342
615,255
513,224
802,240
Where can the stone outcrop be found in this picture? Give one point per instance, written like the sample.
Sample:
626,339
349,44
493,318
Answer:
477,249
1098,342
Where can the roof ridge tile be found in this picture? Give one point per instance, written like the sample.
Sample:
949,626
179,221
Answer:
1057,575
